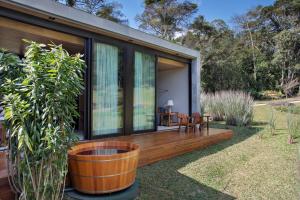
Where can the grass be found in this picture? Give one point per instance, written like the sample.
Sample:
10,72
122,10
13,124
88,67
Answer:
294,109
252,165
297,98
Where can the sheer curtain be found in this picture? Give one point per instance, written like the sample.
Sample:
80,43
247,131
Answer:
144,92
107,91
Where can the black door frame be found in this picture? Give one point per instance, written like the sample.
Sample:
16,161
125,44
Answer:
189,65
152,53
122,48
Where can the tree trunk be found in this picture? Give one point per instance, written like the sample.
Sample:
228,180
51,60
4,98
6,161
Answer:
253,53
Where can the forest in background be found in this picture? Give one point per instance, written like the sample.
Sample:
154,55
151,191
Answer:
260,55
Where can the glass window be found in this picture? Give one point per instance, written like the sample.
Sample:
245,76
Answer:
144,92
107,90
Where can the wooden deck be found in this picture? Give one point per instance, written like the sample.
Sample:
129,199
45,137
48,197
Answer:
5,192
155,146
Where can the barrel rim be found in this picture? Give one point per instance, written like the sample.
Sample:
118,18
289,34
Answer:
72,153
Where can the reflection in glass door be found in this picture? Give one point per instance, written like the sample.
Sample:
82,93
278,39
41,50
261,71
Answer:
144,92
107,90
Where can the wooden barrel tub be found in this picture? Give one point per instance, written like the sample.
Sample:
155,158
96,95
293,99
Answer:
103,167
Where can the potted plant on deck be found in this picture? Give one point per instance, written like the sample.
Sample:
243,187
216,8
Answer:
38,94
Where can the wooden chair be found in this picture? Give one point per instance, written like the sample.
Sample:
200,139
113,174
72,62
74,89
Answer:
185,120
197,119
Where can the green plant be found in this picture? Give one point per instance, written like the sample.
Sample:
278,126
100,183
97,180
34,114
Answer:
293,125
285,108
235,107
39,107
9,69
272,121
214,105
238,108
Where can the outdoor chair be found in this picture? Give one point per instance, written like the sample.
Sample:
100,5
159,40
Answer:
185,120
197,119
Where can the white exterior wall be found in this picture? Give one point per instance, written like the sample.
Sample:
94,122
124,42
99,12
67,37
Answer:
174,84
196,84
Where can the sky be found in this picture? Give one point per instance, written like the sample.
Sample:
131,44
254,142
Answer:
210,9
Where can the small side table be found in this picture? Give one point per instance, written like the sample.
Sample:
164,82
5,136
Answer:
169,116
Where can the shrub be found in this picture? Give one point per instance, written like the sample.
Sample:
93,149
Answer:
272,121
39,107
235,107
214,105
293,124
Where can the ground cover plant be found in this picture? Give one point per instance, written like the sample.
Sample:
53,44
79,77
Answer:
39,100
245,167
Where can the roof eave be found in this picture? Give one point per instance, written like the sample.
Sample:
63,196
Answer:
93,23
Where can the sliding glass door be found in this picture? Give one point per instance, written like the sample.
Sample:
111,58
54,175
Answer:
107,90
144,92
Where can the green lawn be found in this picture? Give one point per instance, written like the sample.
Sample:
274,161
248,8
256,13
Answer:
245,167
294,109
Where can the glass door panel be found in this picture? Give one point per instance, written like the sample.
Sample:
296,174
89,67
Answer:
107,90
144,92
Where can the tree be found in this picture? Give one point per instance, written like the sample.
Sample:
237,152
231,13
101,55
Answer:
71,3
247,22
260,55
101,8
91,6
287,57
111,11
216,43
165,17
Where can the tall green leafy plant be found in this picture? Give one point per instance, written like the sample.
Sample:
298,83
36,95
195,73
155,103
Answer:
9,69
40,105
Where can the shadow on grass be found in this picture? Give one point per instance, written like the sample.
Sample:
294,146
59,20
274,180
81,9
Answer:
259,123
163,180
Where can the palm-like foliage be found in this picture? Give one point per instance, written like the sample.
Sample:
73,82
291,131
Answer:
39,105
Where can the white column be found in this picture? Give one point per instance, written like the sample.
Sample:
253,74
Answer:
196,84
